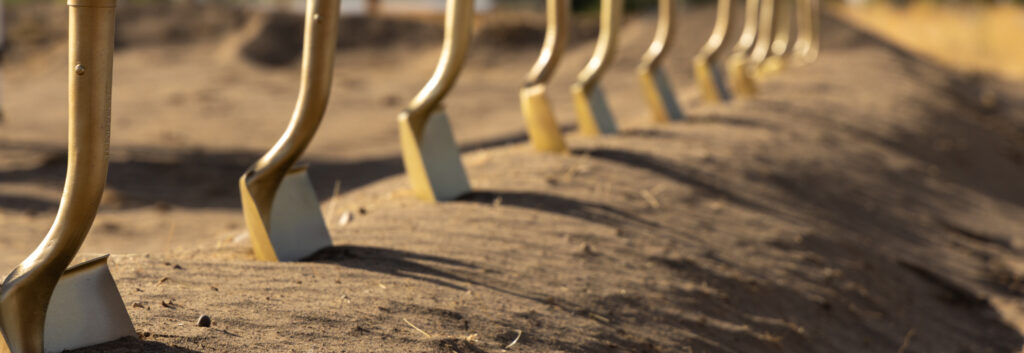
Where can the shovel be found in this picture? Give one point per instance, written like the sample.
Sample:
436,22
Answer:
762,45
806,44
594,117
281,210
541,126
736,65
705,63
87,307
779,51
429,153
656,86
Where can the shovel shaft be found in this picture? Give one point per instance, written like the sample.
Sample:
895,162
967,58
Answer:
663,35
607,40
749,33
458,31
805,46
26,292
765,33
714,48
556,36
319,45
783,24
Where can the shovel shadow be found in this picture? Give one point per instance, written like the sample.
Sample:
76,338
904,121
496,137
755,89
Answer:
132,344
395,263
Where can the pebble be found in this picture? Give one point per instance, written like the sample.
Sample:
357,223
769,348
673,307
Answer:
204,321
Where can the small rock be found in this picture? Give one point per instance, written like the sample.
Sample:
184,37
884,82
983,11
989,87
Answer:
204,321
345,218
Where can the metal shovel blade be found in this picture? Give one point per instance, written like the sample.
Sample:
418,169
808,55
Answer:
742,84
660,96
296,229
86,309
540,121
594,116
432,160
709,77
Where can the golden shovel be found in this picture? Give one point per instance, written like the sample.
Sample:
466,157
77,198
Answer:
541,126
807,42
44,305
281,209
705,64
429,152
736,65
656,86
762,45
594,117
778,52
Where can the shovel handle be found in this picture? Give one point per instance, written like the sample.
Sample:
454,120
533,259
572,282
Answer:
765,30
556,36
458,31
26,292
714,47
749,32
783,23
607,40
663,35
320,40
806,44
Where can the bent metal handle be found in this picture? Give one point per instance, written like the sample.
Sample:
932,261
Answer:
319,45
458,30
749,32
607,38
765,30
662,35
26,292
713,48
556,37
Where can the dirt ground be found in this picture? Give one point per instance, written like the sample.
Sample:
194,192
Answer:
870,202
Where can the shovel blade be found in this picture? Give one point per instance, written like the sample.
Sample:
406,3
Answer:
594,117
709,77
540,120
86,309
297,228
660,96
432,160
742,84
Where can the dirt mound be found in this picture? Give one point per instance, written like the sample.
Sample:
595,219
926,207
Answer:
861,204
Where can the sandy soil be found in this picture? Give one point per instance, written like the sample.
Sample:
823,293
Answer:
870,202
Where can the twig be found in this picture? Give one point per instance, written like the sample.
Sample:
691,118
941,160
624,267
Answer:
906,341
417,328
519,333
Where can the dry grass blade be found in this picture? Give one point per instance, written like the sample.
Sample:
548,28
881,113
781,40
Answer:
417,328
519,333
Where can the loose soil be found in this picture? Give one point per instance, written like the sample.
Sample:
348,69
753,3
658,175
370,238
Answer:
869,202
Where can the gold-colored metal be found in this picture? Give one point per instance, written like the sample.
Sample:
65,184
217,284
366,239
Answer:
779,50
428,148
765,35
740,81
541,126
705,63
594,117
656,86
806,44
260,184
26,292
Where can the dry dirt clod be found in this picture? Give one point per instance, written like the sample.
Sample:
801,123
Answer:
204,321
